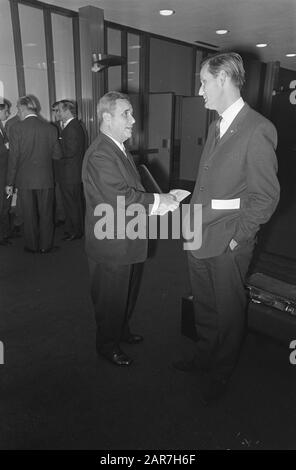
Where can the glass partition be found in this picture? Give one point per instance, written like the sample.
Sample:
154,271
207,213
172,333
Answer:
62,34
34,55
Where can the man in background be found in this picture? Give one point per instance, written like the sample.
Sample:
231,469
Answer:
4,150
69,169
33,146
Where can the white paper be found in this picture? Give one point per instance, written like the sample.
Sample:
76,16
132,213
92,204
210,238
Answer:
226,203
180,194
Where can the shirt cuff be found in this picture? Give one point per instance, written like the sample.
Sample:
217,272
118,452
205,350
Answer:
155,204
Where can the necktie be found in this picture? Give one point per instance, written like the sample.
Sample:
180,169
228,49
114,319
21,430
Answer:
217,130
5,138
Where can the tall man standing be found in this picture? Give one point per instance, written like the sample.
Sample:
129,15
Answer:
33,146
238,189
110,177
69,169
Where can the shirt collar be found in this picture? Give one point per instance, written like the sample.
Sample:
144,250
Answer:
30,115
119,144
67,122
232,111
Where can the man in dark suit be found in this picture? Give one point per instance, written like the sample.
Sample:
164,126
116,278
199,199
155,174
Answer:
33,146
69,169
112,185
238,190
4,200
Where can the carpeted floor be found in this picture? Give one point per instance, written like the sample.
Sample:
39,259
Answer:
56,393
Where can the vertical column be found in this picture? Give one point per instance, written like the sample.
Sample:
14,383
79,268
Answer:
270,83
91,29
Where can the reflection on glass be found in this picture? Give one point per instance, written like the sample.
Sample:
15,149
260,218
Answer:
133,62
63,52
34,54
8,80
114,48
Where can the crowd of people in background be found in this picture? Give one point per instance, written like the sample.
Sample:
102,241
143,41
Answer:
40,173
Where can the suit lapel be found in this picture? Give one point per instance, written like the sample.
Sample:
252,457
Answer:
231,131
127,159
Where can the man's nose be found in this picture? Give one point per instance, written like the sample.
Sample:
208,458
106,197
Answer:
201,90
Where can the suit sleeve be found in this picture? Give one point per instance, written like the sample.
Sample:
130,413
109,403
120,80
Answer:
14,138
105,178
262,184
56,148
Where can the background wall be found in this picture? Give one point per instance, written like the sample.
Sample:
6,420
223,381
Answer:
171,67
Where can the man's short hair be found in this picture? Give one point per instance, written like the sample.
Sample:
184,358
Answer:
4,103
69,105
29,102
107,103
231,63
55,105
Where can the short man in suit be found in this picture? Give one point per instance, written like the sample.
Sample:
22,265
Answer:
69,169
112,183
238,190
33,146
4,200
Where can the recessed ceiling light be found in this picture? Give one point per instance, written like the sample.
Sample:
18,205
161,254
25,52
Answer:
291,55
30,44
261,45
222,31
167,12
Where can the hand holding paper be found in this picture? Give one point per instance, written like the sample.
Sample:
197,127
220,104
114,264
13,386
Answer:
180,194
170,202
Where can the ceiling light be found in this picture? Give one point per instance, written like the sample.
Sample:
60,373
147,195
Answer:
222,31
166,12
261,45
291,55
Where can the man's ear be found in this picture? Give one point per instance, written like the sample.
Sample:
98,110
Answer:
222,77
106,117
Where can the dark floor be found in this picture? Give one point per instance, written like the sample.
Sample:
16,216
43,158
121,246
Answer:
56,394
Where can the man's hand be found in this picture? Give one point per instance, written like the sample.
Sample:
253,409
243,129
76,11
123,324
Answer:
9,191
167,202
233,244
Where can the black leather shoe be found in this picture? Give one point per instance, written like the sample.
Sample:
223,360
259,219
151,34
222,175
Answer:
70,238
49,250
215,390
133,339
117,357
28,250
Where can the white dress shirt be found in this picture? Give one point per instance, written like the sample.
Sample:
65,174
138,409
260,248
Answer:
156,196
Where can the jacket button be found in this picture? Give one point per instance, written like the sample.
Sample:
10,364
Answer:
201,188
206,167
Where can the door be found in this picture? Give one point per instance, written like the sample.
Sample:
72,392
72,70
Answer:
193,126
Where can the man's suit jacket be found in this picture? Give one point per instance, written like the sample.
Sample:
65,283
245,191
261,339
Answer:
106,174
242,167
3,162
33,144
73,148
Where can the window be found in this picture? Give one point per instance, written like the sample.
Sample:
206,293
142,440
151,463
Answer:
62,33
34,55
8,78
